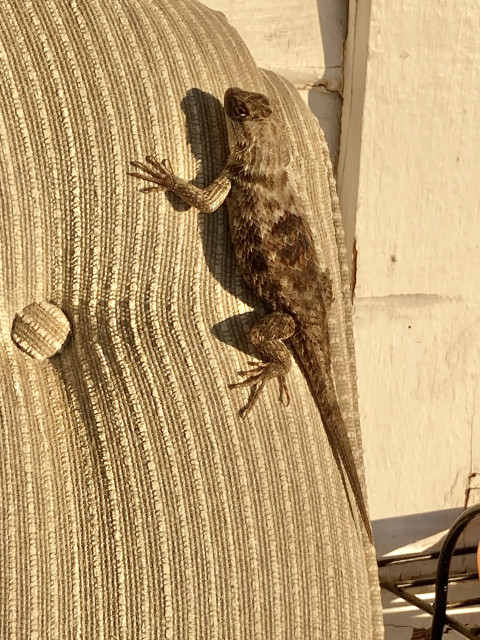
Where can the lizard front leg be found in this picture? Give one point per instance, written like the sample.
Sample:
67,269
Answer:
268,336
161,174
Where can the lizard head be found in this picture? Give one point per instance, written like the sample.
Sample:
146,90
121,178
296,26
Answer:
244,106
245,115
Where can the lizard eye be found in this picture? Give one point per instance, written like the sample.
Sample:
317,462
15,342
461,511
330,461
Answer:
241,112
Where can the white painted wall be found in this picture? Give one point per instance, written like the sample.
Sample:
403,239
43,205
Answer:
409,178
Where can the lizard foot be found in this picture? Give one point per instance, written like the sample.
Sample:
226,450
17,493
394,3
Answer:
257,377
160,173
268,335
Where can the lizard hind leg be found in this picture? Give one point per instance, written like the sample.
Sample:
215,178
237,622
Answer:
268,336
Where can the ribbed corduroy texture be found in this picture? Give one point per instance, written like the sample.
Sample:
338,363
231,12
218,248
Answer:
134,503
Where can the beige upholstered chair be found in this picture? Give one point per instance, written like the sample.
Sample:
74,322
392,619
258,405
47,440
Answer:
135,504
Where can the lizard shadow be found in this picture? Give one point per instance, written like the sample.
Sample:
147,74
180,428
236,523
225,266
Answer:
207,138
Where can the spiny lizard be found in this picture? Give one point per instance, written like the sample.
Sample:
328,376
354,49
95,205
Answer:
276,254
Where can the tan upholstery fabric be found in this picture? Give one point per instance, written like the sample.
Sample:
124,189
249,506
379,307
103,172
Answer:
134,503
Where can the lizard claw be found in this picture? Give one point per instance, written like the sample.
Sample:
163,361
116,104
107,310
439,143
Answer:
256,368
284,396
258,376
160,173
254,393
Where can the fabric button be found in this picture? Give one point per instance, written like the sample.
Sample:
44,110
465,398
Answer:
41,329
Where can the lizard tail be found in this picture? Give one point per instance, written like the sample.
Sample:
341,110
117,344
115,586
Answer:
317,370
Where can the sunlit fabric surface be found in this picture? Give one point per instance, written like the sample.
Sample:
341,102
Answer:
135,504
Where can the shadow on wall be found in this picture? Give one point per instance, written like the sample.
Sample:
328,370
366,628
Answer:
413,533
324,98
335,13
327,107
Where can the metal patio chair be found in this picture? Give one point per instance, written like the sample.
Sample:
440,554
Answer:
441,580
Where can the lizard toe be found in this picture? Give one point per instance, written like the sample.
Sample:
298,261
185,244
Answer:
258,376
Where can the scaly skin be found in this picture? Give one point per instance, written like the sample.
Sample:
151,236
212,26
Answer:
276,254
